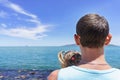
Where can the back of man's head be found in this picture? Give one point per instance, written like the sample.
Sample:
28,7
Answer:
93,30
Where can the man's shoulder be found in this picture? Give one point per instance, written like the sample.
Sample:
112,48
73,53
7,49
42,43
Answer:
117,70
53,75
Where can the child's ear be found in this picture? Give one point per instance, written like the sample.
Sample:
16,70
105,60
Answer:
108,39
77,39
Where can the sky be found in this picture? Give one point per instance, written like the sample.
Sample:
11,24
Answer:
51,22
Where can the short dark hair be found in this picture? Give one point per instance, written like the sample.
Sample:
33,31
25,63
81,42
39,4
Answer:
93,30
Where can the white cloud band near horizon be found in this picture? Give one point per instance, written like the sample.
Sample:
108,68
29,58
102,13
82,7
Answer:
35,32
115,40
31,33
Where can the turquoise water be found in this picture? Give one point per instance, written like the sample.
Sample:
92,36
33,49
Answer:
44,58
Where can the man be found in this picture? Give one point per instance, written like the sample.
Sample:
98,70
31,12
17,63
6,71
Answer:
92,34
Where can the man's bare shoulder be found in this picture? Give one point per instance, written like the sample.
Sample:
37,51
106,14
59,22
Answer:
53,75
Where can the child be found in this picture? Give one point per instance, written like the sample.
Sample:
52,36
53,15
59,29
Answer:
69,58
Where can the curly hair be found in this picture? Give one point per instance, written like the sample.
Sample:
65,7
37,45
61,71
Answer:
69,58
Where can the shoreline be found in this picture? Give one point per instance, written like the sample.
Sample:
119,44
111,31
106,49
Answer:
24,74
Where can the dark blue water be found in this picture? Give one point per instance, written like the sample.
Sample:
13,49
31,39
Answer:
44,58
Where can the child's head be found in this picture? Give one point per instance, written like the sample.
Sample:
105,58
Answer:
69,58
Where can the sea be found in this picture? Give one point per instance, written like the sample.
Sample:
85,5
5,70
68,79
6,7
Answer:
45,58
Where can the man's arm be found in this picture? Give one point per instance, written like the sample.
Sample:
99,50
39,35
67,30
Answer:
53,75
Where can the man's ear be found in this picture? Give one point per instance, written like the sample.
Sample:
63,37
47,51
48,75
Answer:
77,39
108,39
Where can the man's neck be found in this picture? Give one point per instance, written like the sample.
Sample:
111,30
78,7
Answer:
92,54
93,58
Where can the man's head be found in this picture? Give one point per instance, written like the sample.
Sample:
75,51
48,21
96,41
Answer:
92,30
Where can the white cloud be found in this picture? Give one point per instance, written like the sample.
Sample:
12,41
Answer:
34,21
35,32
3,25
31,33
17,8
3,14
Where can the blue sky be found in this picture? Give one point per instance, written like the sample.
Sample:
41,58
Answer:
51,22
